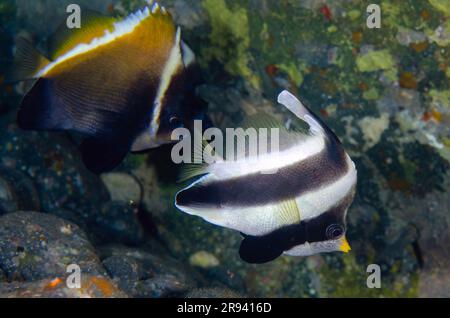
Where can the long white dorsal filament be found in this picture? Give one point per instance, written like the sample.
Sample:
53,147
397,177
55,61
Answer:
298,109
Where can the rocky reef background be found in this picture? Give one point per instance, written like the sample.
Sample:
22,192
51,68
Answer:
385,92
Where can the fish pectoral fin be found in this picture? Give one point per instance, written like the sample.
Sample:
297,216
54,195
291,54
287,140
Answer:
288,212
144,141
259,250
102,155
27,61
198,165
192,170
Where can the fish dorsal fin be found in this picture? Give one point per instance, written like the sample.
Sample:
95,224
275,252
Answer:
93,25
97,29
27,61
287,137
261,120
288,212
301,111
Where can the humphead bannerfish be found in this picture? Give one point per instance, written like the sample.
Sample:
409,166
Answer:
117,82
292,201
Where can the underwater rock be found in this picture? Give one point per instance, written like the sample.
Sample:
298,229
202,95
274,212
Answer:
203,259
52,162
117,222
17,192
441,5
315,53
442,34
213,293
122,187
396,99
372,129
36,245
91,287
189,14
430,220
164,285
141,273
220,276
209,266
406,36
71,216
375,60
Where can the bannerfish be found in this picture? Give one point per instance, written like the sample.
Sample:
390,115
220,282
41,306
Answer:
119,83
292,201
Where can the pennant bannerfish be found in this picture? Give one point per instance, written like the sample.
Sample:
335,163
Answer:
118,82
293,201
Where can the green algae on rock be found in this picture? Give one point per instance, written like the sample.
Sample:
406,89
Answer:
375,60
229,38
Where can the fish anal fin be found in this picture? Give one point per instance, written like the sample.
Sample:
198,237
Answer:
259,250
102,155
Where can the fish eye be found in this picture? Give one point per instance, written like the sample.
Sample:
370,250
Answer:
334,231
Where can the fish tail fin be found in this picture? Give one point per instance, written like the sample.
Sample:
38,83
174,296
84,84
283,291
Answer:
27,61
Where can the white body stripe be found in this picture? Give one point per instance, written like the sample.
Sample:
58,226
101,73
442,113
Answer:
314,203
173,64
270,162
121,28
304,149
261,220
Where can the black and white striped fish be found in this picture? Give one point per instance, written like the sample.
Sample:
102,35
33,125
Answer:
299,209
